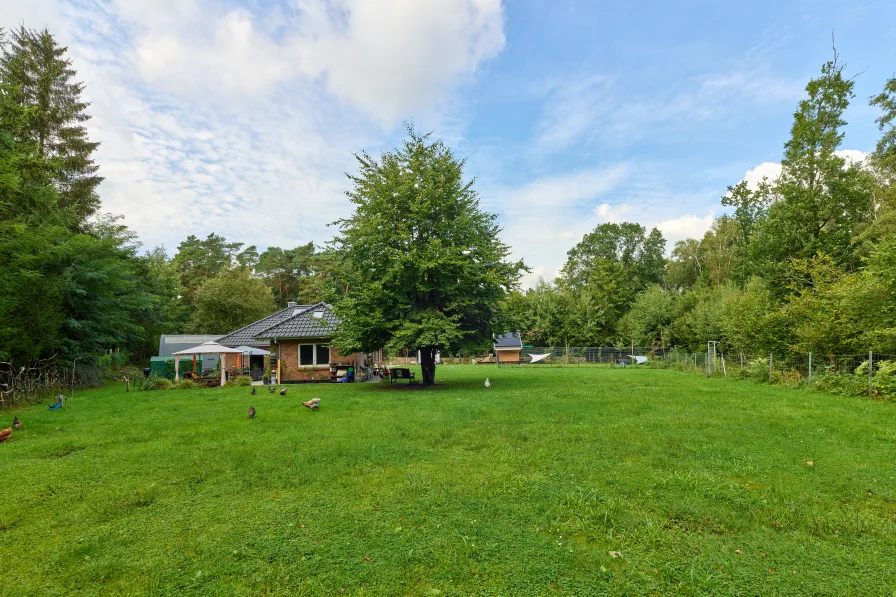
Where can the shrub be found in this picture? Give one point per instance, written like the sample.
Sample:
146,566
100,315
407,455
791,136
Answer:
757,370
111,362
146,384
242,380
829,379
884,382
184,384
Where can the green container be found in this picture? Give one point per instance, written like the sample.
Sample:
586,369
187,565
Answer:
164,366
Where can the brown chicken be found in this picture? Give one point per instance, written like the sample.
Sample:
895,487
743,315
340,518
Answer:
283,392
253,391
312,404
5,434
272,389
16,423
251,412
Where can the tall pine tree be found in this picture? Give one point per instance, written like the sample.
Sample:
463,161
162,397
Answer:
37,75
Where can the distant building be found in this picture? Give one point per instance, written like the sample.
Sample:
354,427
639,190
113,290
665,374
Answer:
171,343
507,347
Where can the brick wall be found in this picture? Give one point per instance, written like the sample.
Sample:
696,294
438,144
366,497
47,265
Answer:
289,360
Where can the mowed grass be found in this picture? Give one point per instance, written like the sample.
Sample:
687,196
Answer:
697,487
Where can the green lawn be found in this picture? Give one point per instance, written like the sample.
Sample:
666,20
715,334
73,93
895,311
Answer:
701,486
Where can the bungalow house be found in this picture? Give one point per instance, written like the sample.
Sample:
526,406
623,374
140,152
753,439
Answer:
507,347
298,339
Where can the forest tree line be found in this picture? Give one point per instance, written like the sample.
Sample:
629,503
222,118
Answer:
73,281
803,263
806,262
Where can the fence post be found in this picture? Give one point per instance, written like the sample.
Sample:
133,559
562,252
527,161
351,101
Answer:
770,357
870,373
810,367
695,362
724,371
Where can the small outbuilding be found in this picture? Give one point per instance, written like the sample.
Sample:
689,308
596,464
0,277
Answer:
507,347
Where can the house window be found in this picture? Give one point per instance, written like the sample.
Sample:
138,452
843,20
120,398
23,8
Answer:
306,354
322,354
313,354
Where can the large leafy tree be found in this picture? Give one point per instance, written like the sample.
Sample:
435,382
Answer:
38,77
885,151
426,268
604,273
32,233
628,245
165,313
304,274
229,301
102,294
823,201
64,292
198,260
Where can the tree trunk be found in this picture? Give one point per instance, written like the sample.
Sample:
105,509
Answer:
428,364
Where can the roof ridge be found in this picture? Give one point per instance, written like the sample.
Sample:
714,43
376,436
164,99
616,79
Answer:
291,317
249,325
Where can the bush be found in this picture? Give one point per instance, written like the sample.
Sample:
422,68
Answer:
242,380
884,382
111,362
757,370
146,384
184,384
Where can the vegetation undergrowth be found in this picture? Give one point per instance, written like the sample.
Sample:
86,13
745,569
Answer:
553,481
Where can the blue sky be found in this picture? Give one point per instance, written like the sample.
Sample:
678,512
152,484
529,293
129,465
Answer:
240,117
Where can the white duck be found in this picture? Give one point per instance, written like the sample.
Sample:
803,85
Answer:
488,384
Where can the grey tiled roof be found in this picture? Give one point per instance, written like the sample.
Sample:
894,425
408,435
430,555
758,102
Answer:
245,336
509,340
304,324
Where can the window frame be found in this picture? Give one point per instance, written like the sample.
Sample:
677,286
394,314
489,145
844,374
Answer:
314,348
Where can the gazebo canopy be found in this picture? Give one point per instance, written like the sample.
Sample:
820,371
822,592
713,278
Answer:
210,348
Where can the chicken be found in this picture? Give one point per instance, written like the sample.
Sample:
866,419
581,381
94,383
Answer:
488,384
283,392
251,412
5,434
312,404
253,391
16,423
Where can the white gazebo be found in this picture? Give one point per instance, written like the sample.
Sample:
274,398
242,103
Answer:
205,348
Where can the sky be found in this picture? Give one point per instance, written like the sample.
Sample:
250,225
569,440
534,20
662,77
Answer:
241,117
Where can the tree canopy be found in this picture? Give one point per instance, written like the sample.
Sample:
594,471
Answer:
427,267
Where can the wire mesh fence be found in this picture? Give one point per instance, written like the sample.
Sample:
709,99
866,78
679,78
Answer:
871,373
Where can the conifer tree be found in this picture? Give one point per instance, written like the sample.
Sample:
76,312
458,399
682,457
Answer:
37,75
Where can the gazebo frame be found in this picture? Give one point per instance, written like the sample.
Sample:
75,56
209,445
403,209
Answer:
205,348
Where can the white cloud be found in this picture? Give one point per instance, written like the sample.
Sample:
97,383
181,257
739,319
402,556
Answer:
769,170
546,217
772,170
244,123
34,14
853,156
683,227
392,59
610,213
